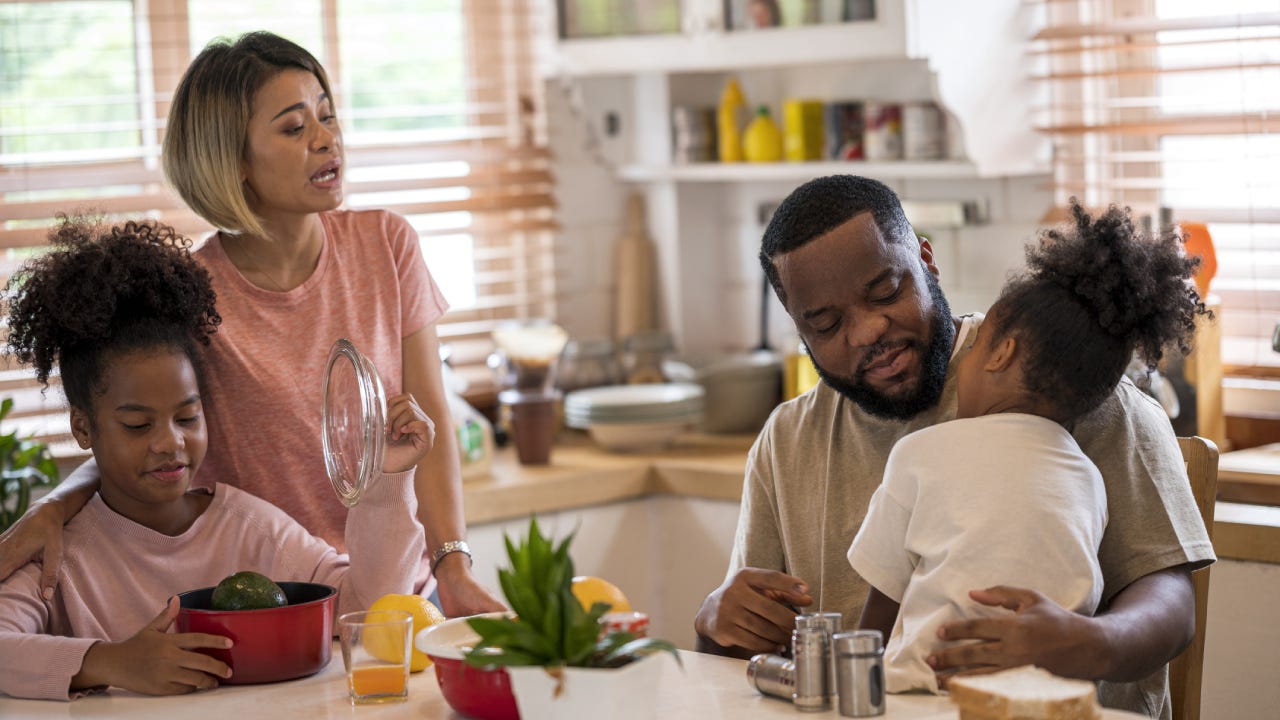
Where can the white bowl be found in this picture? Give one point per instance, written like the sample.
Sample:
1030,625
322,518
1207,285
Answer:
632,437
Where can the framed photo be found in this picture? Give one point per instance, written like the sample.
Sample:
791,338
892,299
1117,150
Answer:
761,14
603,18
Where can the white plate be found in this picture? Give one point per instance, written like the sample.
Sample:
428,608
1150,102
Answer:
636,436
630,395
447,639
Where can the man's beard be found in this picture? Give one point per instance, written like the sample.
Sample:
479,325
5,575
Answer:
934,359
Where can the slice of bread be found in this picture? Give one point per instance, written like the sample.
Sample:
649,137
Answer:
1024,693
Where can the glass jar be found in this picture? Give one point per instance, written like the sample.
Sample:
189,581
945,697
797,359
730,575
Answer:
643,355
588,363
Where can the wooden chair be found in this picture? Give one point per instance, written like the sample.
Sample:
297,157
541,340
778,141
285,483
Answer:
1185,671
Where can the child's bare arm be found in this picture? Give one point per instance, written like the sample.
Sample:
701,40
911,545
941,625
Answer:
879,613
154,661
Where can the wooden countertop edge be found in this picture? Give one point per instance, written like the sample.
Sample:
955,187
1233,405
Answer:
1247,532
583,476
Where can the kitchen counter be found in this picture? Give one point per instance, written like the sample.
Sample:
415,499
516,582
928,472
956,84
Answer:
581,474
708,688
712,467
1251,475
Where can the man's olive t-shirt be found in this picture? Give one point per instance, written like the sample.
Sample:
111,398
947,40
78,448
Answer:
813,469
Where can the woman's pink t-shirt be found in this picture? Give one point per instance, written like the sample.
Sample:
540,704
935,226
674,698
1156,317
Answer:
264,373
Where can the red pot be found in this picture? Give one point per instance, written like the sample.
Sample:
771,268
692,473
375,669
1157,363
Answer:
270,644
476,693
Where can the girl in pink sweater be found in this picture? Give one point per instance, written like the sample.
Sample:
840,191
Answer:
122,314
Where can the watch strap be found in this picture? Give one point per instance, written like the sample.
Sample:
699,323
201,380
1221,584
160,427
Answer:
452,546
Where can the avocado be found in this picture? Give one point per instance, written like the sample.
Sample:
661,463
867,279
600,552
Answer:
247,590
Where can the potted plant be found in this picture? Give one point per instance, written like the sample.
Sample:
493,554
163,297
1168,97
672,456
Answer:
25,464
560,663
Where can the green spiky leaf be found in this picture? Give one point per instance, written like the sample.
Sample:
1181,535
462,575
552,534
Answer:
551,628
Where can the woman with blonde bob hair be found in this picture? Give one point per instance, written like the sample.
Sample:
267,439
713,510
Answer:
253,145
204,141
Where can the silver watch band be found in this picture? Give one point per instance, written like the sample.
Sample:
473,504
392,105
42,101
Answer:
452,546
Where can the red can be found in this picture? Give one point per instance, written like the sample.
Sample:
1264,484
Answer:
882,138
636,623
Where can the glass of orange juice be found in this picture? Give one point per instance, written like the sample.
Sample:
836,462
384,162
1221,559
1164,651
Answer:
376,650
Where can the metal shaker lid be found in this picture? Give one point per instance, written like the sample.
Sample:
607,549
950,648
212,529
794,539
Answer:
859,642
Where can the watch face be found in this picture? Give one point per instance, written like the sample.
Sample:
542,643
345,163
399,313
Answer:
355,408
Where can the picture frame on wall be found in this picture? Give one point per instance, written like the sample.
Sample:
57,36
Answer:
606,18
763,14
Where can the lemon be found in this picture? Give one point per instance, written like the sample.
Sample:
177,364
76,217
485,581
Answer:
590,590
387,648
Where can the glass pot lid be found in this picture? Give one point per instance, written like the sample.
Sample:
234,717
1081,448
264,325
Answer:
355,411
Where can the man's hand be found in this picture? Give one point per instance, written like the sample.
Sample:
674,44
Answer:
37,535
1038,632
154,661
753,611
460,593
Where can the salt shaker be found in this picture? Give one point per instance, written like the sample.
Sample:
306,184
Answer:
772,675
830,623
859,659
811,650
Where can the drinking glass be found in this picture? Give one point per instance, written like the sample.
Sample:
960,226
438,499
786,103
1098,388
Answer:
376,650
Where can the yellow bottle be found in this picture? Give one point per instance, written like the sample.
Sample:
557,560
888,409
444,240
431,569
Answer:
729,131
763,140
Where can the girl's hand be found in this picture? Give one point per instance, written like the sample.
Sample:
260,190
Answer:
154,661
410,434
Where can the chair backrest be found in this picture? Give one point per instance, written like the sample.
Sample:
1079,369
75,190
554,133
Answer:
1201,457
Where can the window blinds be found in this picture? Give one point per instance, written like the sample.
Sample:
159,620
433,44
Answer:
1176,104
442,112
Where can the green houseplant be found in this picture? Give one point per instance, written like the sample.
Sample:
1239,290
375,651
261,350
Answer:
25,464
551,628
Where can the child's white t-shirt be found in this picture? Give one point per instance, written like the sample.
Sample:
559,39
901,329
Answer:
1005,499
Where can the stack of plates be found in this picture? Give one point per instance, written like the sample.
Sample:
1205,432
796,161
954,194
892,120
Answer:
634,417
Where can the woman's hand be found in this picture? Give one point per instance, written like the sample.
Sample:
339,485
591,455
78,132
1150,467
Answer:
154,661
460,593
37,535
410,434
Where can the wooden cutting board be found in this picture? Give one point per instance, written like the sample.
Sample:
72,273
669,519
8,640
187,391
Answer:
635,307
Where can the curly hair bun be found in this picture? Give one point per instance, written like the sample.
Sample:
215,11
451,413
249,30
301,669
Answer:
1135,286
97,284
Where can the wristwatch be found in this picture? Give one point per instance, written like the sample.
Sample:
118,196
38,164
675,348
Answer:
452,546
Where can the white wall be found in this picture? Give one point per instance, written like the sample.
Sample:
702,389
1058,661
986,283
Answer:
721,246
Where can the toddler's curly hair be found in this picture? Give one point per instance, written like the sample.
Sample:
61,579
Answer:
1094,293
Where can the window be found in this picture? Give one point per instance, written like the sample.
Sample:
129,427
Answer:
442,113
1173,104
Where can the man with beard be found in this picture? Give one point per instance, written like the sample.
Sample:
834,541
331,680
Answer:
863,292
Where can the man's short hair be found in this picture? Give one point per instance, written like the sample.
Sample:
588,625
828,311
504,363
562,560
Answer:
823,204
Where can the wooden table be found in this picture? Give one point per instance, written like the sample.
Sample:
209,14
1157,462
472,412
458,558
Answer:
708,688
1251,475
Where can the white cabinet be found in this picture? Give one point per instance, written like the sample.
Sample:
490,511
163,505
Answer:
665,552
970,58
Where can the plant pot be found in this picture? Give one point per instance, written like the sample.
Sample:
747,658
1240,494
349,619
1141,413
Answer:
626,693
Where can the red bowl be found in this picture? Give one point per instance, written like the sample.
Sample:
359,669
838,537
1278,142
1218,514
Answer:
470,691
270,644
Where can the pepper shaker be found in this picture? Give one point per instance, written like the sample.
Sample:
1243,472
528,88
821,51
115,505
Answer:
830,623
811,650
859,659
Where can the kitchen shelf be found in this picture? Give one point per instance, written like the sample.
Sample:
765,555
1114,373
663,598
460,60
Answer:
798,171
716,51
